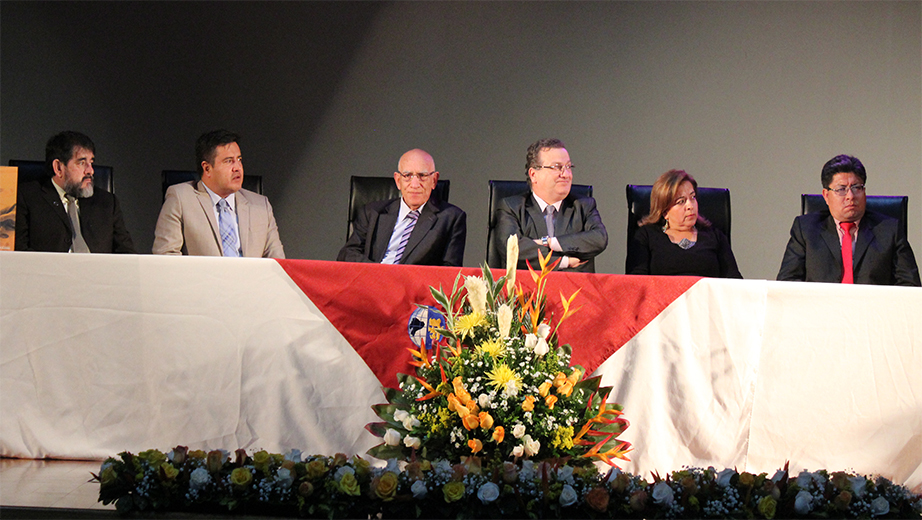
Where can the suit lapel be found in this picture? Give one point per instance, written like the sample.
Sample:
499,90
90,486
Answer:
831,237
564,221
205,201
535,224
427,218
386,221
50,194
243,222
864,239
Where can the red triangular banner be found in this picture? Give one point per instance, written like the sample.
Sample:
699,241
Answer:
370,305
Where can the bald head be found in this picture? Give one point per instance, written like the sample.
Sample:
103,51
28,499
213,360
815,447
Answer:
416,177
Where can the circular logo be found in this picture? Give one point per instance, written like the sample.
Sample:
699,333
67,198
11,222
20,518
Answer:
423,326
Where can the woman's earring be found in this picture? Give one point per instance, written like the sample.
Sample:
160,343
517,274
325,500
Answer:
666,226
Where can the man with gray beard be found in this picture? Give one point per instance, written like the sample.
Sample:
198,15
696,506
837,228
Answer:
63,213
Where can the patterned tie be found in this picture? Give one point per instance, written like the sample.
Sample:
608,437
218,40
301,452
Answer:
79,245
549,219
847,274
405,237
227,223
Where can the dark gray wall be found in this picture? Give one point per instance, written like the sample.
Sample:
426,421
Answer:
753,96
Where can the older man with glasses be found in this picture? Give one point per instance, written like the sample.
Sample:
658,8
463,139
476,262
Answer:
412,229
550,219
848,244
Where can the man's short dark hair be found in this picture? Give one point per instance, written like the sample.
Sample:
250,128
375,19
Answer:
206,146
531,157
62,145
842,164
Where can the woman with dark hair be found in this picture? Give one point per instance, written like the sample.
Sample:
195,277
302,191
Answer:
674,239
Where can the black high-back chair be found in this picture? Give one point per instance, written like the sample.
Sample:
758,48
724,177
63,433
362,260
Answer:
713,204
363,190
499,190
35,170
168,178
893,206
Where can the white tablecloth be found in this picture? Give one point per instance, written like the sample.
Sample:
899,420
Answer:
105,353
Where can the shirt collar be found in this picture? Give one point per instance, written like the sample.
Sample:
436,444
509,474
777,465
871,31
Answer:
543,205
231,199
405,210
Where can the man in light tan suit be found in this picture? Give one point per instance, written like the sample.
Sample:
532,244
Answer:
214,216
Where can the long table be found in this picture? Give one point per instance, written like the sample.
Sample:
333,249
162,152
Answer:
105,353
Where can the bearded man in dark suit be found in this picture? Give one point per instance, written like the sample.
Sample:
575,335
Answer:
880,255
412,229
550,219
65,213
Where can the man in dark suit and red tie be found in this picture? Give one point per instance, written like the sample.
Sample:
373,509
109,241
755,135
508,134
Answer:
848,244
412,229
64,213
549,218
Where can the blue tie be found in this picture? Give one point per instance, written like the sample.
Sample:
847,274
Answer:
405,237
227,224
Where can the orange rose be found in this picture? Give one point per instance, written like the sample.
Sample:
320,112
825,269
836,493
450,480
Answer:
559,379
470,421
573,378
475,445
472,406
545,388
486,422
453,403
565,389
597,498
529,403
457,385
550,401
499,434
462,411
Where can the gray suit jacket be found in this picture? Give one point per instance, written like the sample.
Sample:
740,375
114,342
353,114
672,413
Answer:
187,224
882,256
578,227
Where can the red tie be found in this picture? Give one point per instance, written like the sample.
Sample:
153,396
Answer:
847,275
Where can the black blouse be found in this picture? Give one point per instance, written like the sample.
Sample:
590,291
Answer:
654,253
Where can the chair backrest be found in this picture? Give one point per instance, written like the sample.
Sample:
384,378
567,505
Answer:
363,190
713,204
168,178
893,206
35,170
499,190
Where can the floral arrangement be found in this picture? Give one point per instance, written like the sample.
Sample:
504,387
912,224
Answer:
341,487
498,386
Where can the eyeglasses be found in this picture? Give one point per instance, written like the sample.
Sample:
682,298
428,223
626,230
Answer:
421,176
856,189
559,168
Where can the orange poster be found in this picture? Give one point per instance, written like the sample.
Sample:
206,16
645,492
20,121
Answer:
8,180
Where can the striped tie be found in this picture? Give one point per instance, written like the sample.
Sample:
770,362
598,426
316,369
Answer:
405,237
227,221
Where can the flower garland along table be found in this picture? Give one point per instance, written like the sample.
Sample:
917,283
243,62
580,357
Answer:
494,422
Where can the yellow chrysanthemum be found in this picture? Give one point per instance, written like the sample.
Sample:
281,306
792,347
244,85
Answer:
502,375
492,347
466,324
563,438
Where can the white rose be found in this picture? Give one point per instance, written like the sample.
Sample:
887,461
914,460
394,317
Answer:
488,492
528,471
531,446
511,389
541,348
442,466
567,496
518,451
565,474
662,493
410,422
199,478
342,471
778,476
530,341
293,455
393,465
284,477
544,330
879,506
401,415
504,320
613,474
484,401
723,478
804,479
802,502
411,442
859,486
392,437
518,430
419,489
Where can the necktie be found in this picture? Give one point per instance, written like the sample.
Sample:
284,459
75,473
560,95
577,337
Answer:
405,237
227,223
79,245
549,219
847,274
